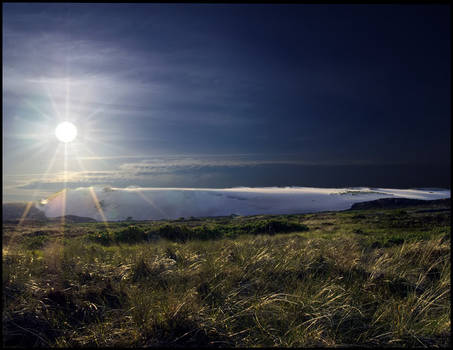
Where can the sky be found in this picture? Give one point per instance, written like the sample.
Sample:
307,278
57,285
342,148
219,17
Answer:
218,96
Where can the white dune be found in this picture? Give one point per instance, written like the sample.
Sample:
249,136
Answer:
172,203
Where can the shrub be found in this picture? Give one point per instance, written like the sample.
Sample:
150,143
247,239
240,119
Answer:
182,233
102,237
37,242
206,232
271,227
131,234
174,232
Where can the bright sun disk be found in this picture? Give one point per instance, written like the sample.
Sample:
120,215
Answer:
66,132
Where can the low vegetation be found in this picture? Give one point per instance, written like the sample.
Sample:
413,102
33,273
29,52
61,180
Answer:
365,277
182,233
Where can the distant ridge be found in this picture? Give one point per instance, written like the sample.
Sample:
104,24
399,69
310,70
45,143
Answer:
393,203
74,218
14,211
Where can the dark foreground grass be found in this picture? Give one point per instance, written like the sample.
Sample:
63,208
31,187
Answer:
370,278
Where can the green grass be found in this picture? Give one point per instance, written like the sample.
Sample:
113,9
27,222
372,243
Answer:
181,233
370,278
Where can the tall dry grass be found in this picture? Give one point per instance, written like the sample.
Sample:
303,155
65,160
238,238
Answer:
293,290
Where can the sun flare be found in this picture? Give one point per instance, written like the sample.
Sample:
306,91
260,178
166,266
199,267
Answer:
66,132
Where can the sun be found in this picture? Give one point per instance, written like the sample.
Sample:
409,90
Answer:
66,132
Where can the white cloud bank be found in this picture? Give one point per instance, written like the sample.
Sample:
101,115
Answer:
172,203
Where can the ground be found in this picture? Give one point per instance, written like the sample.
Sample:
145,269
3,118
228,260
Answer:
374,277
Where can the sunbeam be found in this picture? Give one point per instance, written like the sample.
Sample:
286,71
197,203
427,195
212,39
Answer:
79,161
52,102
99,208
65,190
33,196
41,113
27,209
12,239
88,149
92,114
150,202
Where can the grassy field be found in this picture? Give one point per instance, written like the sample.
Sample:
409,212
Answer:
365,277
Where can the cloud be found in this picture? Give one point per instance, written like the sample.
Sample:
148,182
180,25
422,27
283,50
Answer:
104,74
206,171
172,203
215,161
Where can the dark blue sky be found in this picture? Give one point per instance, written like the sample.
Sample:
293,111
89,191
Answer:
304,95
